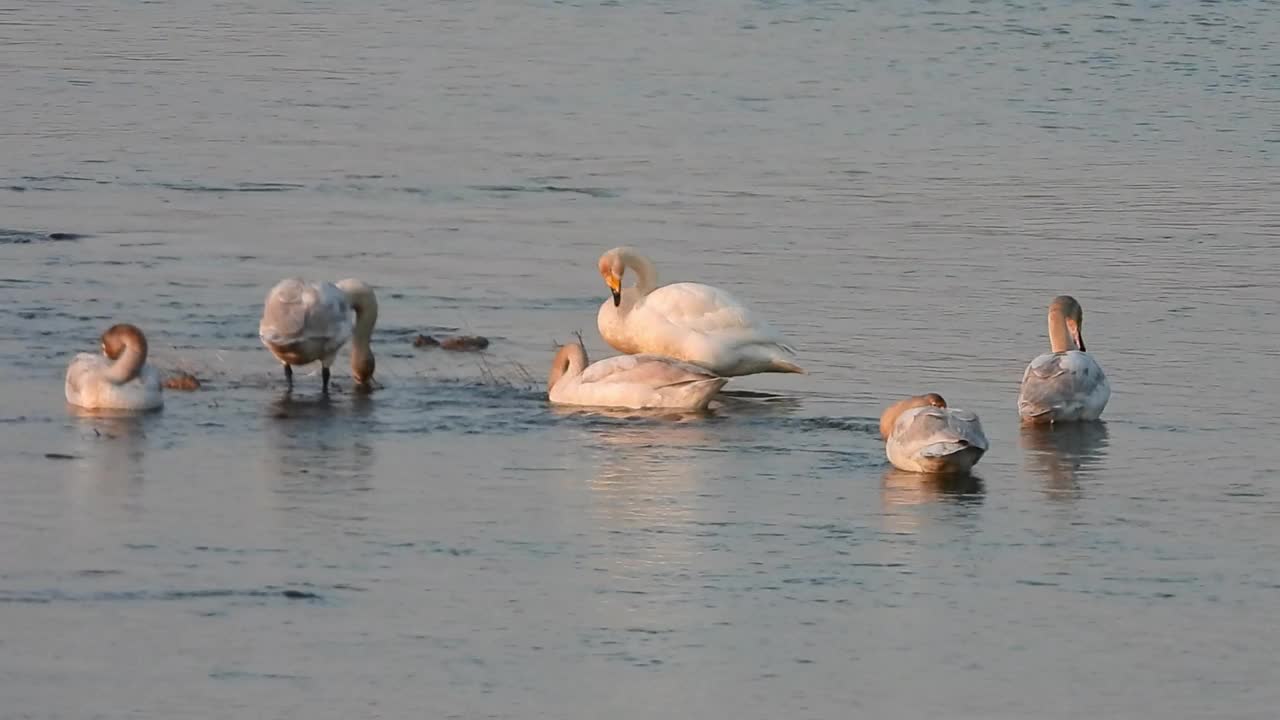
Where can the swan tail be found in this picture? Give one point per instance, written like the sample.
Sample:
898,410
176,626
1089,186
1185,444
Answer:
786,366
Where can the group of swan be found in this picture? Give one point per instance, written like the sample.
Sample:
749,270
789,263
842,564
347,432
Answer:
1063,385
680,344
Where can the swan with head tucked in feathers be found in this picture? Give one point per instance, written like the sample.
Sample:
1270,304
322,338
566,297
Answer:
1065,384
688,321
304,321
629,381
119,379
923,435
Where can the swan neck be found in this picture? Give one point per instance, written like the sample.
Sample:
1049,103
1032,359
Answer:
129,365
1060,339
365,304
570,360
646,273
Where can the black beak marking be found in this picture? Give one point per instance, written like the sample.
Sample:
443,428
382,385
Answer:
617,297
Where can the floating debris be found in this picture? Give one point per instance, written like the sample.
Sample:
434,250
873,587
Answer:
180,380
456,343
61,456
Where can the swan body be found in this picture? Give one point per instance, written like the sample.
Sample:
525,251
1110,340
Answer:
1066,384
303,322
696,323
119,379
924,435
629,381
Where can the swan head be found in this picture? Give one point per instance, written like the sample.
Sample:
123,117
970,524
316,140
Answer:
1066,307
612,265
120,337
362,365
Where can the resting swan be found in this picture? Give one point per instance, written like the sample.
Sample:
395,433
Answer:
304,321
693,322
1066,384
629,381
924,435
119,381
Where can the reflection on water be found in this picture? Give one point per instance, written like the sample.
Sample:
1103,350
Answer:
1063,453
112,446
318,444
903,493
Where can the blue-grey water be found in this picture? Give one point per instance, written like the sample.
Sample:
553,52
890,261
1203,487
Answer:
899,187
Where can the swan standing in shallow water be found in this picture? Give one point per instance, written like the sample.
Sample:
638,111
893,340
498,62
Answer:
629,381
1067,384
923,435
688,321
304,321
119,381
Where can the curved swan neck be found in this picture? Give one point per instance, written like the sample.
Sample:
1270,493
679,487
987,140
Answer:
570,360
365,303
126,346
646,273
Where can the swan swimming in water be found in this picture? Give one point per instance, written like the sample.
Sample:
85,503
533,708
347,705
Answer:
629,381
304,321
923,435
119,379
1066,384
688,321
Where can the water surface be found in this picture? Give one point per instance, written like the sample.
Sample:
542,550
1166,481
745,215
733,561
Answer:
899,187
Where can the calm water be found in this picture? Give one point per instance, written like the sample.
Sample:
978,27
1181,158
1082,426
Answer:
899,187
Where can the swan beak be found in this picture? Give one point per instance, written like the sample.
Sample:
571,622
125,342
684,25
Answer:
1077,336
615,287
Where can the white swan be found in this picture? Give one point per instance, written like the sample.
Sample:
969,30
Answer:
304,321
1067,384
119,381
924,435
629,381
693,322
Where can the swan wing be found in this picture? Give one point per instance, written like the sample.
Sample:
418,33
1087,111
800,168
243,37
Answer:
1069,384
937,432
81,375
653,371
298,311
706,309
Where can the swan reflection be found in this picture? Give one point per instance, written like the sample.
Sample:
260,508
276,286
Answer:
317,446
111,446
1063,453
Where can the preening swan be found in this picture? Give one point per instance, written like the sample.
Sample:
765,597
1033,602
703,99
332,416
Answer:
1067,384
629,381
119,381
304,321
924,435
688,321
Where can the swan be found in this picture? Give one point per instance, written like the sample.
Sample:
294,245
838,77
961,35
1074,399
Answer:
688,321
304,321
1066,384
924,435
629,381
119,381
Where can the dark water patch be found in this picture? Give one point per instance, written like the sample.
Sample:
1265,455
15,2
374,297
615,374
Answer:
246,675
594,192
59,596
248,187
26,237
60,456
